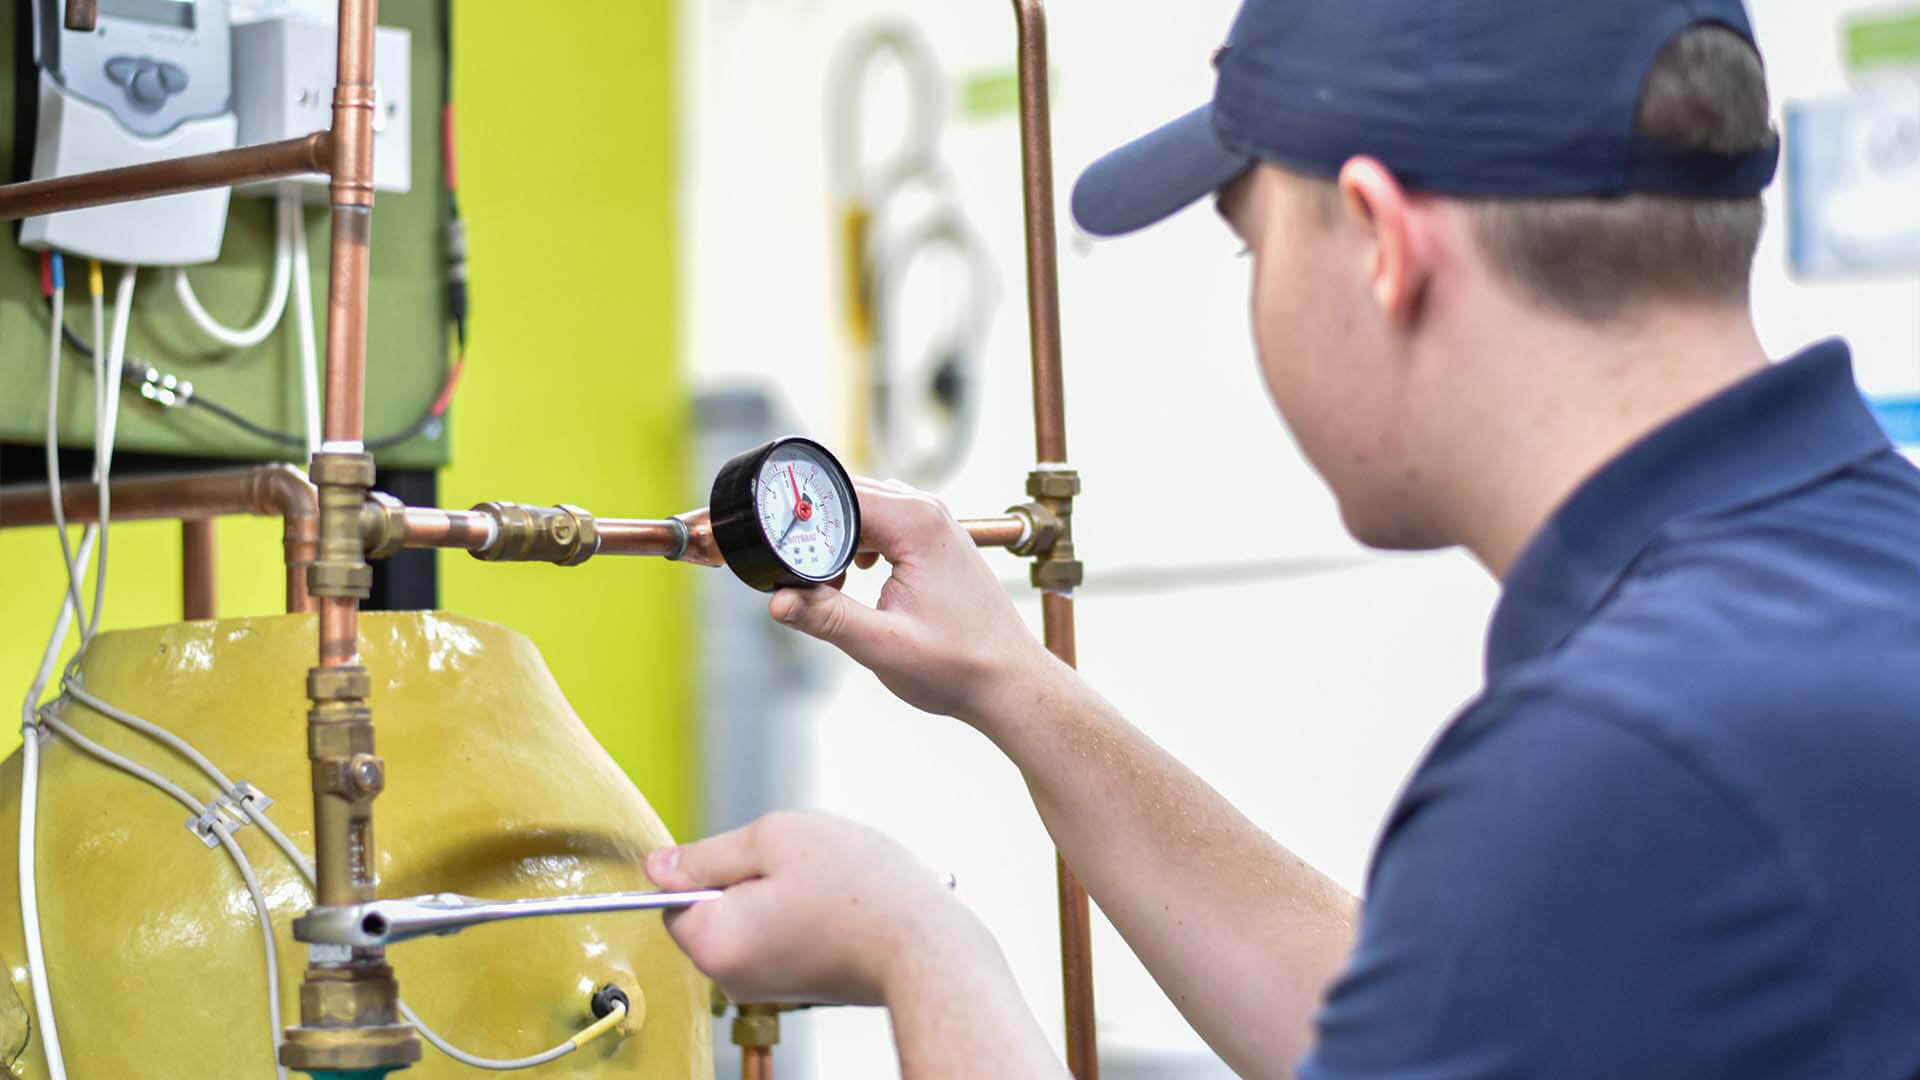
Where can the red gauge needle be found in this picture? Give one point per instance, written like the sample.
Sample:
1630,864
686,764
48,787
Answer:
802,509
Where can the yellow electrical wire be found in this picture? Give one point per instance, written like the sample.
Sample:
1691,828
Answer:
601,1026
96,280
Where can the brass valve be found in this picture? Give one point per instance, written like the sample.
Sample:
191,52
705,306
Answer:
563,535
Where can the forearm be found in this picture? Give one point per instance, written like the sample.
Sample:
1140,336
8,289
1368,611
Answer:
1240,933
957,1014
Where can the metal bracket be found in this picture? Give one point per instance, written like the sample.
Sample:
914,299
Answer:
222,811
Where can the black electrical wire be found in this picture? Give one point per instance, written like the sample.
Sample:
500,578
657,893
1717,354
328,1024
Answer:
137,374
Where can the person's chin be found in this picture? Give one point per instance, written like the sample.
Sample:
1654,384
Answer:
1386,531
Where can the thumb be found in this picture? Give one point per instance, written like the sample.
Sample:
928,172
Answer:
715,863
829,615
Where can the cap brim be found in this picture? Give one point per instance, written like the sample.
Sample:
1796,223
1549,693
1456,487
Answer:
1155,176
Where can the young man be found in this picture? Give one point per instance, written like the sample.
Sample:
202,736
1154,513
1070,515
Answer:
1500,297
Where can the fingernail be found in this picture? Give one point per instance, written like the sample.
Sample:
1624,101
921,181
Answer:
663,860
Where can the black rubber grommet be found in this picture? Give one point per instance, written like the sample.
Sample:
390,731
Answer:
605,998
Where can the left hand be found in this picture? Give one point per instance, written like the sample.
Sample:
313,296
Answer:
816,910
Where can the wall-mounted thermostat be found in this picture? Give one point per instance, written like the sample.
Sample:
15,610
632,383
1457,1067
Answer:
152,81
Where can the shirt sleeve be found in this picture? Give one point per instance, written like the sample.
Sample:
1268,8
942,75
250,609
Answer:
1560,895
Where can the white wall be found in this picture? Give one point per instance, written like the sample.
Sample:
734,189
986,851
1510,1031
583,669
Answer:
1306,697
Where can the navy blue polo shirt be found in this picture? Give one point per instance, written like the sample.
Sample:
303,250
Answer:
1679,833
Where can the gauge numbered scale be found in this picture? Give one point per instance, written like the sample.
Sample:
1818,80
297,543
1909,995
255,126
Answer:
785,515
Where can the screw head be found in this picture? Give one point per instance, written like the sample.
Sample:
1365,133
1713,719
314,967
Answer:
366,773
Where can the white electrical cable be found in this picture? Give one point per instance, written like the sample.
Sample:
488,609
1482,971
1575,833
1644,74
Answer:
106,429
276,307
30,733
30,903
303,316
225,836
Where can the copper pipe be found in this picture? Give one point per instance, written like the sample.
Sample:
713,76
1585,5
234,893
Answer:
83,15
1043,264
1050,444
352,194
268,161
464,530
756,1063
199,591
688,537
997,532
268,490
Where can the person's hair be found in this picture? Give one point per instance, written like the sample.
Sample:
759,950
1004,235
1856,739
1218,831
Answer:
1594,258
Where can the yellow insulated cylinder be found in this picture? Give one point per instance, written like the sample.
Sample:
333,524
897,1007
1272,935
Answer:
494,789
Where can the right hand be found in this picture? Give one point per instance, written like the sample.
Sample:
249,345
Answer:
944,637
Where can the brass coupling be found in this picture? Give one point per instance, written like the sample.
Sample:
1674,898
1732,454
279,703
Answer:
340,569
562,535
383,525
756,1026
1043,529
1050,540
349,1020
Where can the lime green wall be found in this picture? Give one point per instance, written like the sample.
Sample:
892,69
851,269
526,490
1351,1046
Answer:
572,392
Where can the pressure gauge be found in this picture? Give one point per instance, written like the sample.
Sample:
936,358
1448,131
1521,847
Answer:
785,515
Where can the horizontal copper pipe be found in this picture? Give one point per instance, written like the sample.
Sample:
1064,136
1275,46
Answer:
464,530
690,536
267,490
687,538
225,168
997,532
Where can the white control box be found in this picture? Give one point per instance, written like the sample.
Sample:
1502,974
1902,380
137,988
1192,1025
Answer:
151,82
283,72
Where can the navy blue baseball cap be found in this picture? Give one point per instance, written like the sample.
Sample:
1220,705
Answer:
1511,98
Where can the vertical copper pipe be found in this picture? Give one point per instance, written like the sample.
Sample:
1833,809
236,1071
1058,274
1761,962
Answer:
1043,264
347,287
756,1063
199,591
1050,443
83,15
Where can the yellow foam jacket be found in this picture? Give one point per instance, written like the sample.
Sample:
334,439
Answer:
494,789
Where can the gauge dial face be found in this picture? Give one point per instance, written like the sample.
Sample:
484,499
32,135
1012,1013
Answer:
801,498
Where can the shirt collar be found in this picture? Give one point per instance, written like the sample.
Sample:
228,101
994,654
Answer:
1777,430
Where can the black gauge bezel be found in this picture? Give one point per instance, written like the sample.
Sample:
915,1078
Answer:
744,543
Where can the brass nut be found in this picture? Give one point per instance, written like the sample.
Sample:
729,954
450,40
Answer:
351,683
1059,575
1053,484
340,579
383,525
366,775
350,1049
752,1027
1043,529
342,470
332,738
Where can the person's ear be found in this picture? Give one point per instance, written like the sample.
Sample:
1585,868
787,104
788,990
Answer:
1398,264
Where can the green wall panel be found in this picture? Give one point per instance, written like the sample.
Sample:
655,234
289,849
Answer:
407,339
